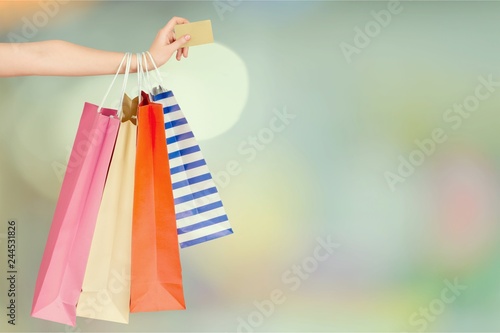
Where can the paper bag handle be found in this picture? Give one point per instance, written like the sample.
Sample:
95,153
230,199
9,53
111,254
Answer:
159,79
128,58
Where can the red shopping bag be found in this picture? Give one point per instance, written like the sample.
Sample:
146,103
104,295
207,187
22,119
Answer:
156,277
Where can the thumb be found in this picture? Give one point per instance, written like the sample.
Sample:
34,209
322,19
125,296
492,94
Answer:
181,41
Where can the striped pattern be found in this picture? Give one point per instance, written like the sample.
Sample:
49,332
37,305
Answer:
199,211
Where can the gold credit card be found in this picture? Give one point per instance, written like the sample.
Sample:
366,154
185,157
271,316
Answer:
200,32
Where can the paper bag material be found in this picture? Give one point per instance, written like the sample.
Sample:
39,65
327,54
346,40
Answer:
156,276
106,286
62,269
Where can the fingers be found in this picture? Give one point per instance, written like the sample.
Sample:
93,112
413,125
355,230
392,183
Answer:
167,40
175,20
181,41
182,52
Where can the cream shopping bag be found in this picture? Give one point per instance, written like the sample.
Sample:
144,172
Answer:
106,288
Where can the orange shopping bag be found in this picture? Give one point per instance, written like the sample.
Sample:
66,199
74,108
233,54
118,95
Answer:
156,277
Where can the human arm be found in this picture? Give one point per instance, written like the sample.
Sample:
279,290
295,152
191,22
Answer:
61,58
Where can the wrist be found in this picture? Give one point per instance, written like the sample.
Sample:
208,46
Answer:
158,57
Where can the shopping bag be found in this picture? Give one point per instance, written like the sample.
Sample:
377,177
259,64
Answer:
156,277
199,211
106,287
62,268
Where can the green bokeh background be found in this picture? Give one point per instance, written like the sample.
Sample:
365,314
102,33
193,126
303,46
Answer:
323,176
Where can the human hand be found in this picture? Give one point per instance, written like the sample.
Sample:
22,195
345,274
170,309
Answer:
166,43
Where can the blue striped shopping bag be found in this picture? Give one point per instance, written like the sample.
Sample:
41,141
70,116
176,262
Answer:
198,207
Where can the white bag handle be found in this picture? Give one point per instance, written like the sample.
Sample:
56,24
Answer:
159,79
128,58
124,86
144,72
138,59
139,75
157,72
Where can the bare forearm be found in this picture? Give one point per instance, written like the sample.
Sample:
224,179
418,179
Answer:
60,58
57,58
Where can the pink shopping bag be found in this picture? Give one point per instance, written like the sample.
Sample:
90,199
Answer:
62,269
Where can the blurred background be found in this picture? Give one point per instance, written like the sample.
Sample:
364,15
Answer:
387,146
